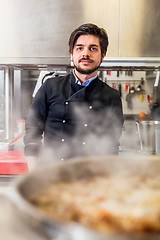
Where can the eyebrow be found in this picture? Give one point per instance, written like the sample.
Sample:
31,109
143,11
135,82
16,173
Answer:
91,45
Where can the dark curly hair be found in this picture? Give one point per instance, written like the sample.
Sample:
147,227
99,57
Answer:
89,29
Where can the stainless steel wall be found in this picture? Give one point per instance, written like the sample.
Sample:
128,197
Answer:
139,28
32,29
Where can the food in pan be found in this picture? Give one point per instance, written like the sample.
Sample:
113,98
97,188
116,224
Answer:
126,204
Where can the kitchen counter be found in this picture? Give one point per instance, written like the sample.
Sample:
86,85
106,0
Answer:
12,225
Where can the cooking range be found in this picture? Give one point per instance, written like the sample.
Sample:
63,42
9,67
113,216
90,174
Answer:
145,167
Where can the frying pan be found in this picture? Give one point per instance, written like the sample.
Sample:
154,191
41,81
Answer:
79,168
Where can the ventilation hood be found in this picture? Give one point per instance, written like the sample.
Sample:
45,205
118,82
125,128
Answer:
37,31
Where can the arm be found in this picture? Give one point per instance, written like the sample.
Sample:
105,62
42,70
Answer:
117,119
112,118
35,124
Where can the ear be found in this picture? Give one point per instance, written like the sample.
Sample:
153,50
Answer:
103,57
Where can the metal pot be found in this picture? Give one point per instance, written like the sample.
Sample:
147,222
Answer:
149,136
79,168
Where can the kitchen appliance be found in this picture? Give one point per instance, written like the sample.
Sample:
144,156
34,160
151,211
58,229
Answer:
149,136
79,168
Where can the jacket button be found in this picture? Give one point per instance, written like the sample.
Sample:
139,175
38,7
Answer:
66,103
64,121
84,143
90,107
62,159
86,125
62,140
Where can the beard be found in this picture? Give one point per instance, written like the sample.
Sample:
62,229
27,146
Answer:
87,71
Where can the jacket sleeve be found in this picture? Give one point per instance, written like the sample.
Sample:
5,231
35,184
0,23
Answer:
118,110
116,119
35,123
112,120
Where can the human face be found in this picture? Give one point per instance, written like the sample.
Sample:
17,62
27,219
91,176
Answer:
87,55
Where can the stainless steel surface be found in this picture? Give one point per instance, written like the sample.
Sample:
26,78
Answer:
17,102
7,182
40,62
55,63
37,31
11,93
2,105
149,136
8,78
140,32
75,169
136,63
157,79
41,28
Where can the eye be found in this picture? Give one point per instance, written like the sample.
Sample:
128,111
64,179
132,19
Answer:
79,48
93,49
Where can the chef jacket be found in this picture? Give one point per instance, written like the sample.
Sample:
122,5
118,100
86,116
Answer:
72,120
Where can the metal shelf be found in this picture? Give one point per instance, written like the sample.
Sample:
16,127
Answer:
109,63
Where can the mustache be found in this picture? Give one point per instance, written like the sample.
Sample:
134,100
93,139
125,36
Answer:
86,58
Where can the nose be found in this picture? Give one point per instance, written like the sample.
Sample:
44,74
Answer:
86,52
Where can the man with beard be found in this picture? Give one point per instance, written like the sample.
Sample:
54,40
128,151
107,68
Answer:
77,114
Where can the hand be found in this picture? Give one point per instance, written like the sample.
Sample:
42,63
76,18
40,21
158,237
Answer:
32,162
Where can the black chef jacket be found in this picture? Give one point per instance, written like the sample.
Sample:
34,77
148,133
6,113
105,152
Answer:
74,120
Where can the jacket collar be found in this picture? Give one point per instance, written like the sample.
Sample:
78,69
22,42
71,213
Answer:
85,91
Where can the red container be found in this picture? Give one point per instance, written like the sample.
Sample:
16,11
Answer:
13,162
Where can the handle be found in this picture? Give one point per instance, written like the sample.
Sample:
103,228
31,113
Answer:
15,139
139,135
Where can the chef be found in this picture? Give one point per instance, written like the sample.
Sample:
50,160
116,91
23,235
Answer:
76,114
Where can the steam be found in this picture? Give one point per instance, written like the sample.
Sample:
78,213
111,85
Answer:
98,133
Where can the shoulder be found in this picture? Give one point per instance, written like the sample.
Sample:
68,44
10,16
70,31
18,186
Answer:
106,88
52,85
55,83
56,80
